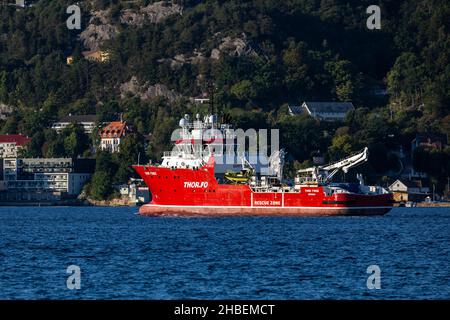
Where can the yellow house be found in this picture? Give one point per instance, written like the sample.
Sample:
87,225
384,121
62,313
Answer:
96,55
69,60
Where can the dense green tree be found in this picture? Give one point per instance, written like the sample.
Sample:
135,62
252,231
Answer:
131,151
346,82
3,86
243,90
101,185
300,135
286,52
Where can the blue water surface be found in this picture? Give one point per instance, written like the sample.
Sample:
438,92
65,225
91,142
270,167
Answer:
125,256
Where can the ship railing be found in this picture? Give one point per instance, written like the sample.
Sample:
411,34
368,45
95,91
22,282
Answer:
204,125
178,154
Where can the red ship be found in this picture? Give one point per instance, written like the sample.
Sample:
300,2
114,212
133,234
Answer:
189,183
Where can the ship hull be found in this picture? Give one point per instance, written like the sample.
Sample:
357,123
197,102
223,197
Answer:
223,211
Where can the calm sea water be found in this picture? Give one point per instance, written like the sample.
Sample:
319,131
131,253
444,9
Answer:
125,256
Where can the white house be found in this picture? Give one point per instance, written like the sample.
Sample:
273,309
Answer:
328,111
88,122
409,190
295,110
112,135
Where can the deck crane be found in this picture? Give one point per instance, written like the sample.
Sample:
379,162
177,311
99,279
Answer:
324,174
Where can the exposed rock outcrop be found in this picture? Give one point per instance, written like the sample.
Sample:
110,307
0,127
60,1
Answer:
146,91
180,59
5,111
98,31
235,47
100,28
154,13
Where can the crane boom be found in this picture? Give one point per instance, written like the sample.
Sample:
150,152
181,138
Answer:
327,172
349,162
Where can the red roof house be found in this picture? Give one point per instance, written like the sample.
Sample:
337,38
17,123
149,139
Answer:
18,139
10,144
112,134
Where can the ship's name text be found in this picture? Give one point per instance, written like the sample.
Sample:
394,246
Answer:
195,184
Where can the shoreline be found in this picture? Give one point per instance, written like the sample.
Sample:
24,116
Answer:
424,205
433,204
127,203
72,203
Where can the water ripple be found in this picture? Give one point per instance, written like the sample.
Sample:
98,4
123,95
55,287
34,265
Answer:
124,256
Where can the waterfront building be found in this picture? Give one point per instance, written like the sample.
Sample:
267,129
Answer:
137,192
38,179
409,190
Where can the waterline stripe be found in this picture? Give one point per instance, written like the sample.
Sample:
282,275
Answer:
268,207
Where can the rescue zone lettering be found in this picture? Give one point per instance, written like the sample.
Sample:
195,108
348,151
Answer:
267,203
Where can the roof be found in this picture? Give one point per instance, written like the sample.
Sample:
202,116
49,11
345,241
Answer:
90,53
99,55
330,107
410,183
79,118
295,109
19,139
115,129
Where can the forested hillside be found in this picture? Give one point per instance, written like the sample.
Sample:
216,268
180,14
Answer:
261,55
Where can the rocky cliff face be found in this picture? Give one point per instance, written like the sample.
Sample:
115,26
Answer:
98,30
101,28
154,13
146,91
233,46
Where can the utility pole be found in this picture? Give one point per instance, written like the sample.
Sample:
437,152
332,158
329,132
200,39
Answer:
211,96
